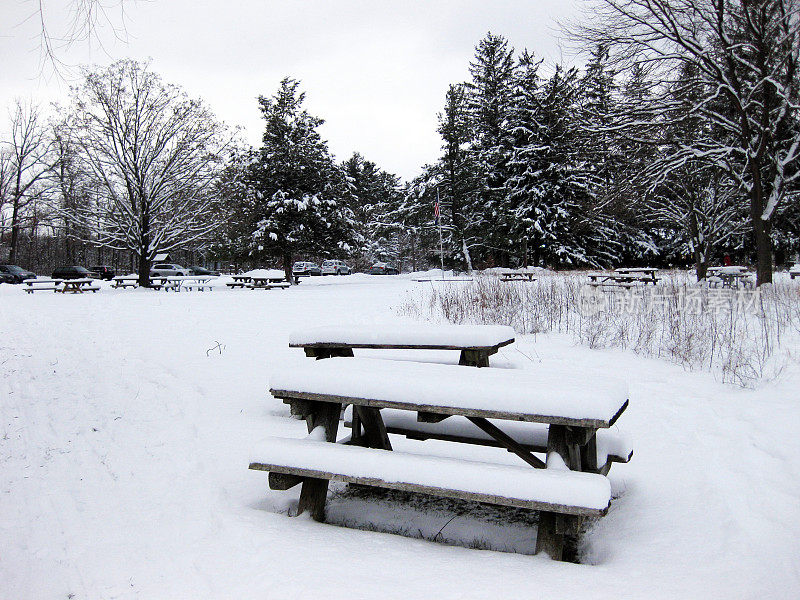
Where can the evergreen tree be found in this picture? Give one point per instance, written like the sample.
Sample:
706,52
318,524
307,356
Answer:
489,99
301,200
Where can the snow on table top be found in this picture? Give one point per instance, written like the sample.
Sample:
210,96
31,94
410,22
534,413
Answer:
795,268
609,443
462,336
538,395
567,488
265,274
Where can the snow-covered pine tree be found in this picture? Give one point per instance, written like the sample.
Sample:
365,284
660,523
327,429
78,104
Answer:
375,194
301,202
456,179
489,98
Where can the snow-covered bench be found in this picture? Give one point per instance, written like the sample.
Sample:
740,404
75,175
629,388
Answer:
573,409
476,342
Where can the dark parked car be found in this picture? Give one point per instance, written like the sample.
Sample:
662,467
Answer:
73,272
383,268
7,278
15,274
303,268
198,270
103,272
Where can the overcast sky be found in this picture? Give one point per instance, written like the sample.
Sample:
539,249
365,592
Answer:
376,71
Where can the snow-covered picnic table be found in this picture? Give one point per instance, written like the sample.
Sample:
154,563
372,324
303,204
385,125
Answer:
123,281
518,276
476,342
42,284
79,286
624,277
265,279
570,485
731,276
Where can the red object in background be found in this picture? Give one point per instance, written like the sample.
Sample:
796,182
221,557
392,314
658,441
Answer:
727,260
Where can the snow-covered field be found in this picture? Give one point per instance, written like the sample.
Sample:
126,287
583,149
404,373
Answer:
128,417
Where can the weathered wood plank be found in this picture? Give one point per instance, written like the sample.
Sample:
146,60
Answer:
283,481
433,491
292,395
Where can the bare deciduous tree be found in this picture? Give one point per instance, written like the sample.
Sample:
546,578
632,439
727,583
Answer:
149,154
746,55
24,166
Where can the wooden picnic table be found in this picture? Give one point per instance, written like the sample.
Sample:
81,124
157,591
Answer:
267,282
518,276
624,277
123,281
732,276
476,343
40,285
241,281
566,488
78,286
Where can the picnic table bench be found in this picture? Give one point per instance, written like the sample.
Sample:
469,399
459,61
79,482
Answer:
78,286
39,285
476,343
518,276
123,281
567,487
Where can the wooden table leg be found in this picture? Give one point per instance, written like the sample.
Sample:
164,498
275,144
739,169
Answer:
314,491
554,526
474,358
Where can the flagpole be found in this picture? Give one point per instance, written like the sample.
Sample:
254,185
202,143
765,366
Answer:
439,223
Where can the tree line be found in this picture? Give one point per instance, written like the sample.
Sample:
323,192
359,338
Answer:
677,143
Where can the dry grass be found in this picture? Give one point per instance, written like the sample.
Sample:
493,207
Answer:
744,338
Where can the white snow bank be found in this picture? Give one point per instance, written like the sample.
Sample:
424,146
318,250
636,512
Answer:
568,488
548,393
403,334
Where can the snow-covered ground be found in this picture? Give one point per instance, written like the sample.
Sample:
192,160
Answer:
127,419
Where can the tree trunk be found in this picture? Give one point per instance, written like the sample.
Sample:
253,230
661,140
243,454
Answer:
763,239
12,256
761,232
144,269
287,267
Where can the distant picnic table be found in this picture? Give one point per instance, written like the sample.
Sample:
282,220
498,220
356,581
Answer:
476,343
41,285
518,276
78,286
123,281
625,277
732,276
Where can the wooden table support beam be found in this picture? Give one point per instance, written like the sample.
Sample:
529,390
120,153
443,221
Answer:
507,442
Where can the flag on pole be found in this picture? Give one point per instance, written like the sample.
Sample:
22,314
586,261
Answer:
436,210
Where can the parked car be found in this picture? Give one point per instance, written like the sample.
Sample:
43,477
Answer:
198,270
103,272
304,268
382,268
72,272
168,270
15,274
335,267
